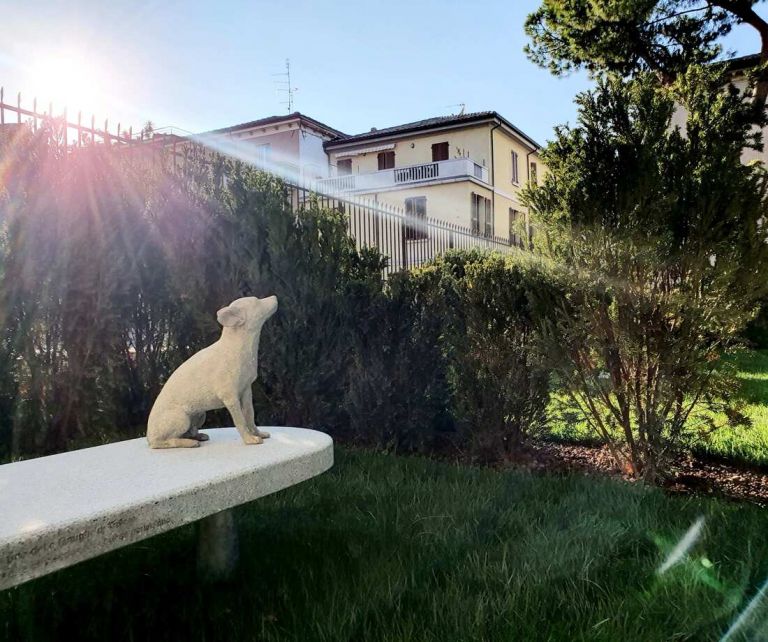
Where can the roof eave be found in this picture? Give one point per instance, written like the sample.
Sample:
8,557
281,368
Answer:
350,141
272,120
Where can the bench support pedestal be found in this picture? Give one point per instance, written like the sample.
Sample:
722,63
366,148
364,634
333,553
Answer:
217,547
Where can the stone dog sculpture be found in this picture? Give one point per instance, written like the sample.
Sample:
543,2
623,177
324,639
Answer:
219,376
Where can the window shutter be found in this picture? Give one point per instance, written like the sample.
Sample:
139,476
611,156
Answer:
513,237
440,152
515,172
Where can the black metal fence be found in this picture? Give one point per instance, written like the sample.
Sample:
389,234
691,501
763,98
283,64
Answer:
75,133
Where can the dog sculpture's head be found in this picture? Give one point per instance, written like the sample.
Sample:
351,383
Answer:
248,313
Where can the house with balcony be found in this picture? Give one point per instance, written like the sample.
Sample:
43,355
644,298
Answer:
290,145
465,169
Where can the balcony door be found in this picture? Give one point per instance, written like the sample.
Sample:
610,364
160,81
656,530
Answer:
386,160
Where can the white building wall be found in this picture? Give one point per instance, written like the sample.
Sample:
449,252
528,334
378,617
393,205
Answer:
312,156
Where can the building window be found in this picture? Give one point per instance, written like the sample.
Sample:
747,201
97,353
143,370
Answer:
262,155
515,168
514,222
416,208
482,213
386,160
534,174
439,152
344,167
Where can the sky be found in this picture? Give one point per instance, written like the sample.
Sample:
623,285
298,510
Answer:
355,65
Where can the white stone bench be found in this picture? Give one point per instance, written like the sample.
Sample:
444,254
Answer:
60,510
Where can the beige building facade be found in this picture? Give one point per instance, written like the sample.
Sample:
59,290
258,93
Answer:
466,169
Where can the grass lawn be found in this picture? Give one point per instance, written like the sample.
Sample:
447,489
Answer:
388,548
748,445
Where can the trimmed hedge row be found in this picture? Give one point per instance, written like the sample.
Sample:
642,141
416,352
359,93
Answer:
111,272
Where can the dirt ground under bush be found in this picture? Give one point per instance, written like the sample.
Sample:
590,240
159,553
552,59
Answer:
693,474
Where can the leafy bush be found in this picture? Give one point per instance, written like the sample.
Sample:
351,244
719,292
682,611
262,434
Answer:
659,237
398,396
500,387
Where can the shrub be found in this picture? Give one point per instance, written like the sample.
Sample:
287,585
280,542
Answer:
502,388
398,397
110,276
499,386
446,359
111,270
660,239
756,332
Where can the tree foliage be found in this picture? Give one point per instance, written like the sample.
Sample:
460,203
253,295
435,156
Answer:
659,234
627,37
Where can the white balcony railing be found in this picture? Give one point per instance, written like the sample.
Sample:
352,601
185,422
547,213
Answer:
387,178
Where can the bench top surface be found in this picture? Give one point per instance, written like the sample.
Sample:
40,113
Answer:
41,492
108,496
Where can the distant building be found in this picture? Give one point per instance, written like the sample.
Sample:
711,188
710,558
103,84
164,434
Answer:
465,169
292,143
738,70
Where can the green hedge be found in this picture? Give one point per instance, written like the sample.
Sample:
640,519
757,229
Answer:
111,271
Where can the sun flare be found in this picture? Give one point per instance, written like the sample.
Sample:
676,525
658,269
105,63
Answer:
68,80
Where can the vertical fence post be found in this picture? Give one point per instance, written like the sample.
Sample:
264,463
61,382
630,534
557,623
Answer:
34,112
18,108
404,248
2,107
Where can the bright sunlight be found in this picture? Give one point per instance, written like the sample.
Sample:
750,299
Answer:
70,79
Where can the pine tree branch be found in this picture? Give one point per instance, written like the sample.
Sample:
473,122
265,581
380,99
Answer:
744,11
678,14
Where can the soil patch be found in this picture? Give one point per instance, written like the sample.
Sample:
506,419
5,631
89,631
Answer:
693,474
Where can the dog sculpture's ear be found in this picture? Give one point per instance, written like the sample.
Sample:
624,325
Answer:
230,317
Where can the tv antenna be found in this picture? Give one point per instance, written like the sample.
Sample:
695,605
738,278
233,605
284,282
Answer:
285,86
462,110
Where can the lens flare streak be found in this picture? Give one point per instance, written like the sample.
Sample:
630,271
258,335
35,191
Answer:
692,535
746,613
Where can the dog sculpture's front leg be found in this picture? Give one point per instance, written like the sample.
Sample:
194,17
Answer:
246,401
233,405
